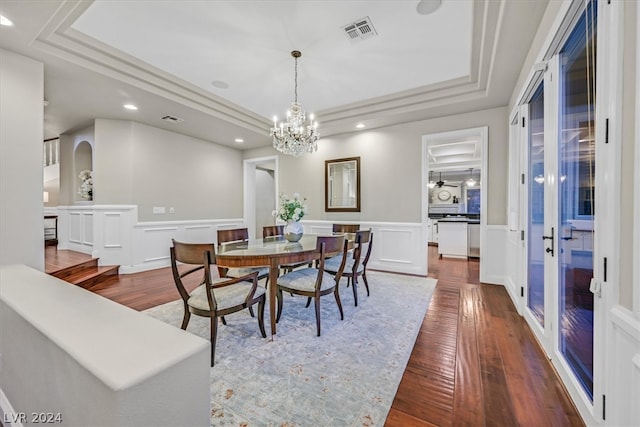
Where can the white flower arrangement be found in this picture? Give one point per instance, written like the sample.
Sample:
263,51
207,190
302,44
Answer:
291,209
86,188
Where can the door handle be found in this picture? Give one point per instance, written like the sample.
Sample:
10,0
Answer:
552,238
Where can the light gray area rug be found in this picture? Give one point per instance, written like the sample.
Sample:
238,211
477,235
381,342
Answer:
346,377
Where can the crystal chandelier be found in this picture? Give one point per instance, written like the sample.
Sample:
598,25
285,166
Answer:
296,136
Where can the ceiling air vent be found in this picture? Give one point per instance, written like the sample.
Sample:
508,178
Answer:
172,119
360,30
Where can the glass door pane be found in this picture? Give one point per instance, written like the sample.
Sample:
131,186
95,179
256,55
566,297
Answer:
535,217
576,160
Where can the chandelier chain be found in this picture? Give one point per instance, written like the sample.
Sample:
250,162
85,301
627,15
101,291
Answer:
298,134
295,90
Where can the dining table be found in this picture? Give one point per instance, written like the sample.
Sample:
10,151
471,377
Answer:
271,252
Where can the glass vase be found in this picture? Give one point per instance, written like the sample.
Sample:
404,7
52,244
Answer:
293,231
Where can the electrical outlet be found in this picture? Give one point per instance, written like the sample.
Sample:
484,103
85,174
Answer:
158,210
172,210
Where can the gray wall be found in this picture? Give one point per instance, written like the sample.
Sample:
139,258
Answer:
21,139
147,166
391,165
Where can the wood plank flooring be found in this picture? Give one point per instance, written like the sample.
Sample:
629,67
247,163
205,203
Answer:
475,361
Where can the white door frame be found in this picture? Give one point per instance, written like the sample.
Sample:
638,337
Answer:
249,193
483,133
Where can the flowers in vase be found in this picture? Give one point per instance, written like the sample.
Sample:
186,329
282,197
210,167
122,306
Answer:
86,187
291,209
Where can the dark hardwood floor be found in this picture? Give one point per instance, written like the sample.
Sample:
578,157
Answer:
475,361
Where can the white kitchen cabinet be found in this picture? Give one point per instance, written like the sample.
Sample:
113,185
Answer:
432,230
452,239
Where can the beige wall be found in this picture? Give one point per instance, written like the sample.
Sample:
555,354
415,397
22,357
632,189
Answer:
391,166
147,166
21,138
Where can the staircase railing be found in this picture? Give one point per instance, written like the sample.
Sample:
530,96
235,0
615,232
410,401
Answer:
51,151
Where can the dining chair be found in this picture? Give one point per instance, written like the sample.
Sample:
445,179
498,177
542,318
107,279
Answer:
277,231
213,297
312,282
346,228
356,264
234,236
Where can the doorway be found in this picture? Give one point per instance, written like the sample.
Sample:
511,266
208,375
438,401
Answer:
260,193
454,173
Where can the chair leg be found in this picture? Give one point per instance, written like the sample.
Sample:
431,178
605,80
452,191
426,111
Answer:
308,302
250,312
224,321
354,285
187,316
214,335
317,304
261,316
279,298
337,295
364,279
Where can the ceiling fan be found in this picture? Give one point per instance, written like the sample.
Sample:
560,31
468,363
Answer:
440,183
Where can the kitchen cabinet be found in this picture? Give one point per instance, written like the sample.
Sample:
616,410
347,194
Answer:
452,238
432,230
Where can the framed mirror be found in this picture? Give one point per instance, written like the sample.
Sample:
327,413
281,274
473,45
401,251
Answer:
342,185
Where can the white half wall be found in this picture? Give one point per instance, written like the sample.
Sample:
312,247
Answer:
95,362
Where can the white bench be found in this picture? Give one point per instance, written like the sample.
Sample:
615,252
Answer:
67,351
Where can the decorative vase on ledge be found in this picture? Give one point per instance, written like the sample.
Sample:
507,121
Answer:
293,231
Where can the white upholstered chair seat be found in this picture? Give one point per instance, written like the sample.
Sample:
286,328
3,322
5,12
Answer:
304,279
226,297
332,265
239,272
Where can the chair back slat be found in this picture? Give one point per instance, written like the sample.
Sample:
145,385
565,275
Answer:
233,235
272,231
346,228
192,253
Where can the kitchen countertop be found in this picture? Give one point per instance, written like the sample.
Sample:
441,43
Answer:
459,219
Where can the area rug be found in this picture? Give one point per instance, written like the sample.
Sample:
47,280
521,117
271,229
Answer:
346,377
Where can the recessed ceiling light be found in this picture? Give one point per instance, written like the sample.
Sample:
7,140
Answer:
426,7
239,140
360,125
5,21
130,107
220,84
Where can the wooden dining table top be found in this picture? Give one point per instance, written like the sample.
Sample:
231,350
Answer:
270,252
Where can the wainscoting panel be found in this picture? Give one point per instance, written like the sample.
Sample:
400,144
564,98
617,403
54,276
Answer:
75,227
152,240
512,281
623,394
492,254
397,247
199,233
140,246
112,230
87,228
158,246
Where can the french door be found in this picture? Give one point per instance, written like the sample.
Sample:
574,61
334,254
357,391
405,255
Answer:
559,180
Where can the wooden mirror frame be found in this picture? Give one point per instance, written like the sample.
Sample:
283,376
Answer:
355,207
